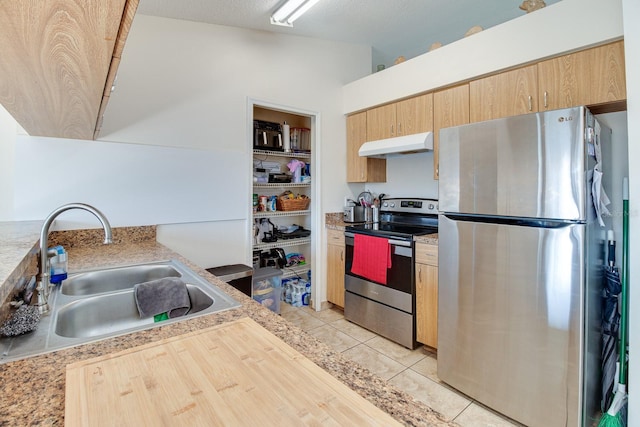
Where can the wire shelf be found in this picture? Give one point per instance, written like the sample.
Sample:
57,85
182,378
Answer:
286,243
304,155
270,214
297,271
280,185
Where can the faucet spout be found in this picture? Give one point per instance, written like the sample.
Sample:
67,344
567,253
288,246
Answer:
44,286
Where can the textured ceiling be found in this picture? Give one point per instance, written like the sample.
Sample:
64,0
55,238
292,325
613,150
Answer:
391,27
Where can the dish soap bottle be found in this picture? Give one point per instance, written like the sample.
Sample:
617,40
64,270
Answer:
58,265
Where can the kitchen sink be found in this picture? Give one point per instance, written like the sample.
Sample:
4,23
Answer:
95,305
113,312
115,279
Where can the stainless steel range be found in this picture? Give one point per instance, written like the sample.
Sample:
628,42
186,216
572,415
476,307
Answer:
379,268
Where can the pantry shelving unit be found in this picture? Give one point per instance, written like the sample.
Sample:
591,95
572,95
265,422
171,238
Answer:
299,243
299,217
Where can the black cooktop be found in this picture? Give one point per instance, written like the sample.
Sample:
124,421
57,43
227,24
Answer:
402,218
401,231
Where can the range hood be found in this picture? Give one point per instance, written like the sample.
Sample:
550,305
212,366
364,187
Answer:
406,144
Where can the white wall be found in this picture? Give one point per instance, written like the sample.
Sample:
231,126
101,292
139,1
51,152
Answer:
7,144
409,175
564,26
631,9
185,85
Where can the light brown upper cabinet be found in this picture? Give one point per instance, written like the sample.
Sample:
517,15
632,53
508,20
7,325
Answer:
607,74
589,77
361,169
406,117
506,94
59,60
563,81
450,108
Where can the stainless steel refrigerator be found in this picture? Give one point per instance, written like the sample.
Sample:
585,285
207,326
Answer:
521,252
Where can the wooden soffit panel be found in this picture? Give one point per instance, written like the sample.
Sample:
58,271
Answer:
54,62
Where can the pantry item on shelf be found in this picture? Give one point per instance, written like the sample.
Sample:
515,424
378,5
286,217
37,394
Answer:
295,258
300,140
400,59
295,167
287,201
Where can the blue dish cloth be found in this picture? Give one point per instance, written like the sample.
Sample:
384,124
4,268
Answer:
167,295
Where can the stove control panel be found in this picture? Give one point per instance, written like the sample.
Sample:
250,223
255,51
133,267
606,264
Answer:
422,206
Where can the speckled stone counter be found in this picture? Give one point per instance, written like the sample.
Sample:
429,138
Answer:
431,239
34,388
334,221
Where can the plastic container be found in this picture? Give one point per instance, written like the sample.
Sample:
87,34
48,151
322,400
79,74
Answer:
301,139
267,287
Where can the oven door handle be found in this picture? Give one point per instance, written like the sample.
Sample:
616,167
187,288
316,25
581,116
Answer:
406,243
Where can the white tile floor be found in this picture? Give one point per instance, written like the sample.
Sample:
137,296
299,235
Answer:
413,371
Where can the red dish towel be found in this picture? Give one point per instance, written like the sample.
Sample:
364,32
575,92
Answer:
371,258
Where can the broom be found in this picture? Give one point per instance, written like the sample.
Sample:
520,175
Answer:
616,415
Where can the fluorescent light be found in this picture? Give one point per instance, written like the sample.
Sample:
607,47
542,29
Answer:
290,11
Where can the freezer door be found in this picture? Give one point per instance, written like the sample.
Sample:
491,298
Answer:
510,318
531,166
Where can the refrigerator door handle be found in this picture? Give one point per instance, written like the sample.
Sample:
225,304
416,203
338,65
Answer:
521,222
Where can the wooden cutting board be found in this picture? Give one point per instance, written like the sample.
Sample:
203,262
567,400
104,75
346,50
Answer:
233,374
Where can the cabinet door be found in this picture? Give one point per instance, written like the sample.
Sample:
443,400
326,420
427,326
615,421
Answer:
505,94
607,73
381,122
450,108
415,115
564,81
427,304
361,169
335,274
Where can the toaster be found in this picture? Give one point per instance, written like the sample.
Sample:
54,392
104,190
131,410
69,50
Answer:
354,214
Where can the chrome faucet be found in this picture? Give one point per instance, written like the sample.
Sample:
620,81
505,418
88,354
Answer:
44,286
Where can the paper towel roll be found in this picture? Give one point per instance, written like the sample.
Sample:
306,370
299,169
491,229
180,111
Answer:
286,137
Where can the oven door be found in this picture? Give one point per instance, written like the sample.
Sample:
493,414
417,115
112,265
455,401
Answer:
399,276
385,309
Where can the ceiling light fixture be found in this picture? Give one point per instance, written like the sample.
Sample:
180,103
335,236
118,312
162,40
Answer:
290,11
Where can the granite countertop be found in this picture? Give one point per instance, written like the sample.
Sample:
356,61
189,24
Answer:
34,388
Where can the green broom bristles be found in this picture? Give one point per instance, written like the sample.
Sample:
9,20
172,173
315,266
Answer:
614,416
611,420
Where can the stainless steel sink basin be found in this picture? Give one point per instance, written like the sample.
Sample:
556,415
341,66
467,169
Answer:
115,279
100,304
106,314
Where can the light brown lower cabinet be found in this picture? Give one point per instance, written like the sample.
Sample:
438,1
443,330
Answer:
427,294
335,267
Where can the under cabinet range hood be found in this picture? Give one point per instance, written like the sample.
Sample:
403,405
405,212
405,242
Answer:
406,144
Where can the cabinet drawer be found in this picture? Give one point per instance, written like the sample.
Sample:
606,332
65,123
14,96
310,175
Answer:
427,254
335,237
